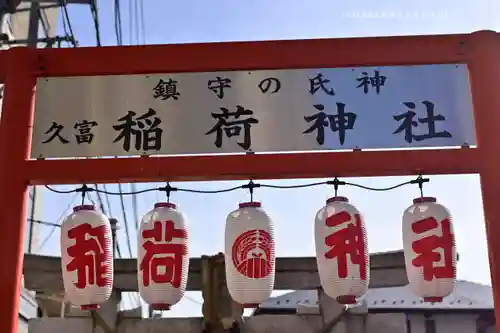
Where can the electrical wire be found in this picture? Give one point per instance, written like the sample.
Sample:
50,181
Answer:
110,213
99,199
64,24
51,232
143,22
380,189
136,22
125,220
95,18
108,202
32,196
135,298
68,26
130,21
292,186
135,211
251,185
50,224
118,23
101,204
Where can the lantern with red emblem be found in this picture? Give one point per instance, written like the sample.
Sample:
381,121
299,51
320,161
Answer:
429,247
163,258
249,254
87,257
342,251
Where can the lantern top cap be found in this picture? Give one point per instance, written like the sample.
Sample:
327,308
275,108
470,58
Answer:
165,204
337,199
424,200
250,204
83,207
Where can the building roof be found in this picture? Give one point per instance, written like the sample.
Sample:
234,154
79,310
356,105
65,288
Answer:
467,296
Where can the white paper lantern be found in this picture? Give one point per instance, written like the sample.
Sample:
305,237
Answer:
429,247
249,254
162,256
87,257
342,251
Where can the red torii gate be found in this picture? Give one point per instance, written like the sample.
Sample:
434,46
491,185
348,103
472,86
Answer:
20,67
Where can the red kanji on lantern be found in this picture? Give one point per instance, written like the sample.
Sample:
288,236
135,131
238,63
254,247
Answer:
426,247
346,241
160,253
342,250
162,256
429,247
251,253
89,257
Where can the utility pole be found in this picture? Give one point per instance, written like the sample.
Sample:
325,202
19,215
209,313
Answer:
32,39
34,23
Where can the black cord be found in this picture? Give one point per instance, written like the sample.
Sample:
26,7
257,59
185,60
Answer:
59,191
250,186
127,193
209,191
91,189
379,189
84,190
292,186
420,182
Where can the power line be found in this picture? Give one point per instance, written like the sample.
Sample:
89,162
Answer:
136,22
99,199
143,22
51,232
51,224
125,220
108,203
95,18
64,8
110,213
130,21
118,23
134,207
101,204
32,195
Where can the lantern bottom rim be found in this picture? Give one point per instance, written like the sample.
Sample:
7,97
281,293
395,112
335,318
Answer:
346,299
161,306
89,307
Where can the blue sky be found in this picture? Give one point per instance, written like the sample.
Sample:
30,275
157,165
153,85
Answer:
293,210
